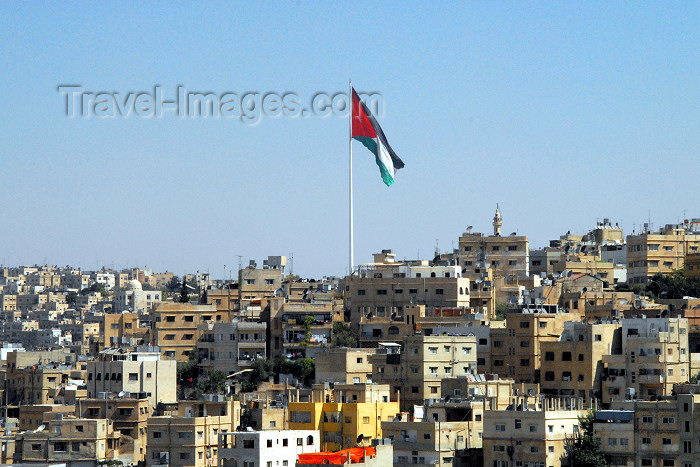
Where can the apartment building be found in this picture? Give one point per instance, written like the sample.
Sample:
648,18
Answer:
653,356
692,266
417,371
231,346
255,284
266,448
651,433
385,287
344,413
191,438
532,431
300,328
68,441
506,255
176,329
142,372
122,329
572,365
426,442
344,365
134,299
129,415
661,251
516,349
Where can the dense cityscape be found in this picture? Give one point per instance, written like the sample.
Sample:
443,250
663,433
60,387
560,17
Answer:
584,352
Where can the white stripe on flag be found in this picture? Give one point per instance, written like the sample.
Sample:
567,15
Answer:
385,158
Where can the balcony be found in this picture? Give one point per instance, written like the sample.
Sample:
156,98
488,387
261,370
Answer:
651,379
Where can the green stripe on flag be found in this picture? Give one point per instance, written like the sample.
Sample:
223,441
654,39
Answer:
369,143
386,176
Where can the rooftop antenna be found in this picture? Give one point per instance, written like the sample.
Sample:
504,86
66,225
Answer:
291,263
240,257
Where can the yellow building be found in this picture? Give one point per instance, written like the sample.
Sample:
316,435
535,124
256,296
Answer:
660,252
350,411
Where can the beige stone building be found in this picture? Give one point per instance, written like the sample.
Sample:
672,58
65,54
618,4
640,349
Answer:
572,365
385,287
651,433
142,373
533,431
344,365
190,438
653,356
129,415
426,442
231,346
417,371
176,327
516,349
662,251
506,255
68,441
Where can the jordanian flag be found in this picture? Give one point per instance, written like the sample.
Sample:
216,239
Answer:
366,130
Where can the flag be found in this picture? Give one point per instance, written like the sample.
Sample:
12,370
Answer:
366,130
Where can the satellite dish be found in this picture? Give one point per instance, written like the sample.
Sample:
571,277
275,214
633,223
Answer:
121,394
359,438
479,280
569,273
585,289
513,300
513,234
623,301
469,229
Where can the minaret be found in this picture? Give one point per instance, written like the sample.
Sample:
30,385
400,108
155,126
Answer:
497,222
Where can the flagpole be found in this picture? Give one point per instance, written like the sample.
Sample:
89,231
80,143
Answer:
352,254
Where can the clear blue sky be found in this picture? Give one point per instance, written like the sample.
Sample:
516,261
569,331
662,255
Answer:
562,112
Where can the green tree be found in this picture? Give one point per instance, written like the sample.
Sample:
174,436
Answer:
586,451
187,374
673,285
184,295
344,335
501,311
215,383
173,284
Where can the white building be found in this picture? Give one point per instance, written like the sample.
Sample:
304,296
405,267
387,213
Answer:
135,299
266,448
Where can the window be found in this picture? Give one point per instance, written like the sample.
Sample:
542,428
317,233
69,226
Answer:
79,428
285,442
248,444
432,350
133,376
566,356
647,419
157,434
189,319
524,362
495,248
60,446
169,319
184,435
500,427
300,441
665,441
381,291
517,424
361,292
36,447
426,435
184,455
439,291
365,419
549,356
